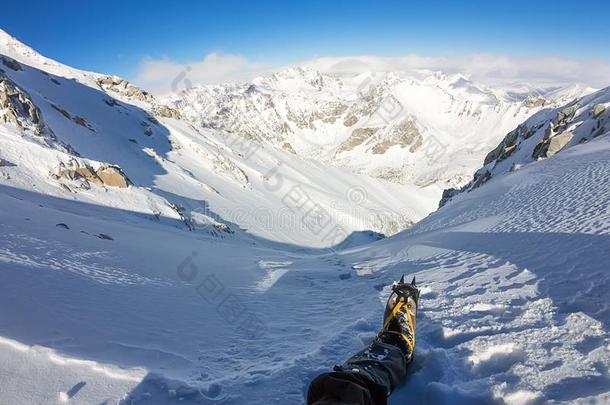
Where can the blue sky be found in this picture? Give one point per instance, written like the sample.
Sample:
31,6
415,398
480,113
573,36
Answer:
116,36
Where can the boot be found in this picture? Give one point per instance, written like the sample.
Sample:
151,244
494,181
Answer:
399,317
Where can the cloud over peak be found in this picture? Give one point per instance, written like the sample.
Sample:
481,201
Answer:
162,76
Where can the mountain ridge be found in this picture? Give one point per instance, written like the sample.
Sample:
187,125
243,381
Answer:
386,125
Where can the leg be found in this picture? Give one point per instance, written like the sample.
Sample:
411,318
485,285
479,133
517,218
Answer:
366,378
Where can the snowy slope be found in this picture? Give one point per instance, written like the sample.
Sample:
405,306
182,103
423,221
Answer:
543,135
514,305
408,128
204,177
154,294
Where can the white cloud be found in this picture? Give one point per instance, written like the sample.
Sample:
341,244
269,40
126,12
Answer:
487,68
164,75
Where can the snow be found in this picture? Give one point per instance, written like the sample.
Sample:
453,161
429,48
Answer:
459,120
514,274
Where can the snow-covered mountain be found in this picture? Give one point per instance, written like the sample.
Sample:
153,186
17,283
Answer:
64,129
147,260
543,135
419,130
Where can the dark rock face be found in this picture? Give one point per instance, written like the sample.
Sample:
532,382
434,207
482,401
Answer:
18,108
11,63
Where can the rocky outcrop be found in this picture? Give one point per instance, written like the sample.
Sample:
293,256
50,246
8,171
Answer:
552,145
509,143
166,112
17,107
78,120
358,136
112,176
542,136
223,228
565,115
124,88
89,174
350,120
83,174
532,102
288,147
448,194
226,166
404,134
11,63
597,110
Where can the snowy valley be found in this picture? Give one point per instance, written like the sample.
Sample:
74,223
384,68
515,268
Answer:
195,248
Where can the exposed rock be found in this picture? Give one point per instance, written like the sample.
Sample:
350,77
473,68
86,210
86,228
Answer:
539,150
447,195
62,111
224,165
330,112
165,111
357,137
223,227
350,120
104,236
549,147
480,179
184,217
533,101
558,142
112,176
391,174
598,109
300,119
65,188
148,132
74,170
509,143
55,81
404,134
507,152
11,63
600,131
124,88
81,121
89,174
17,108
84,185
288,147
82,175
77,119
62,225
548,132
565,115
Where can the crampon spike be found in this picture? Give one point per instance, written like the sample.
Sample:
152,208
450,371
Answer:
413,281
402,279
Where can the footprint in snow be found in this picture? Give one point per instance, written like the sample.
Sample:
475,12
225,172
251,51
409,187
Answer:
496,359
